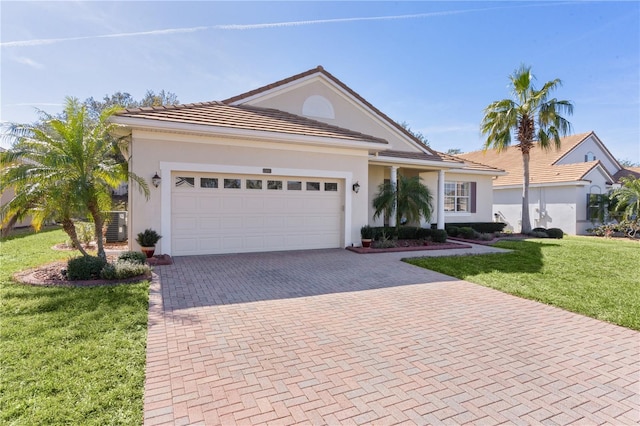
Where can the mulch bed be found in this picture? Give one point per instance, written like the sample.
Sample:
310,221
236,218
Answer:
410,245
51,274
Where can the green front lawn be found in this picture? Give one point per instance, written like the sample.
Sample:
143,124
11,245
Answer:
68,355
592,276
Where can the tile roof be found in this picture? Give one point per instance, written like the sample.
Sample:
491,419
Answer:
246,117
633,172
321,70
438,156
542,163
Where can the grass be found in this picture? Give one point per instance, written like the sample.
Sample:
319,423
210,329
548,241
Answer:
68,355
595,277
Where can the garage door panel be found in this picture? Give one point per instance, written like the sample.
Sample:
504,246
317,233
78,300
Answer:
185,245
225,220
231,204
210,244
185,223
296,223
273,204
254,222
183,203
232,243
209,223
253,203
209,204
274,222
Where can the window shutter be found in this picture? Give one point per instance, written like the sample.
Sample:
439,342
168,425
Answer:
473,197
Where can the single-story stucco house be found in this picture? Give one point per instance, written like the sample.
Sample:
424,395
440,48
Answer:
291,165
565,184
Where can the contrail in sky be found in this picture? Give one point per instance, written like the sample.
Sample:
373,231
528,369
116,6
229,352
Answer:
236,27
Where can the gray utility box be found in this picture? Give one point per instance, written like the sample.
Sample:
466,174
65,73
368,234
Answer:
117,227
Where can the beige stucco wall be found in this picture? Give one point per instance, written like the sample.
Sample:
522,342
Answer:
484,196
7,196
150,149
590,145
348,114
549,207
557,206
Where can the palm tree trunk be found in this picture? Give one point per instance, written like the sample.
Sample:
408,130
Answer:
9,226
69,227
98,222
526,221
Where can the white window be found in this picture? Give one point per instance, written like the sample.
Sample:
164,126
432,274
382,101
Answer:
457,196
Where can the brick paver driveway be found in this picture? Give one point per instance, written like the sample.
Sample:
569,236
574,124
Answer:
332,337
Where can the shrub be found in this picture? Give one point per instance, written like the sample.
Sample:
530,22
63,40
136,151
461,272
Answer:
408,233
439,235
556,233
488,227
452,231
485,236
539,230
379,231
366,232
123,270
467,233
424,233
538,234
148,238
133,257
84,268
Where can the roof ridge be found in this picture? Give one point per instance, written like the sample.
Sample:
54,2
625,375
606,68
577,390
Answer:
321,70
535,143
322,123
170,107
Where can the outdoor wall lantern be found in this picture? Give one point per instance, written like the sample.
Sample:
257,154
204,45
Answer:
356,187
155,180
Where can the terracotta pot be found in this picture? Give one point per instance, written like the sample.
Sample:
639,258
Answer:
148,251
366,242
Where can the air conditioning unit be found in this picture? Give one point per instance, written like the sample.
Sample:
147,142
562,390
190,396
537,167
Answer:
117,227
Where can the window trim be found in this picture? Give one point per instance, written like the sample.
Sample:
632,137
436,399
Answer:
472,198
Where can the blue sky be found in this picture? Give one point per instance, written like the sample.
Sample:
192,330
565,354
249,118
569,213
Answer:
435,65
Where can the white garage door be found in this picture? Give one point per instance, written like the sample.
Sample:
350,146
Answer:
223,213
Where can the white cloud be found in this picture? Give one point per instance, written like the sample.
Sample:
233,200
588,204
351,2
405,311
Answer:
232,27
28,61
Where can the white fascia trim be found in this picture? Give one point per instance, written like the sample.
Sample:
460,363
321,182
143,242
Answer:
279,89
319,76
167,168
200,129
482,172
378,161
545,185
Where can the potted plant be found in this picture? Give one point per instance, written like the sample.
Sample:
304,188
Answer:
147,241
366,232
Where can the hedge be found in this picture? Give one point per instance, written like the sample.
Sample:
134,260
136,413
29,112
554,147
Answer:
482,227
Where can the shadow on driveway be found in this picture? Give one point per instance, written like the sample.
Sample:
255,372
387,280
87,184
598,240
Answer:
240,278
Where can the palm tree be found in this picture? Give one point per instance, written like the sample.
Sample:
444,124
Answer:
65,168
628,197
532,117
411,196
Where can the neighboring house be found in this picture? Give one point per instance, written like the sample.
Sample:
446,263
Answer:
291,165
6,195
566,185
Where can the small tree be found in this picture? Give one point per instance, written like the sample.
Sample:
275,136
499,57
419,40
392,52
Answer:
412,197
65,168
532,117
628,197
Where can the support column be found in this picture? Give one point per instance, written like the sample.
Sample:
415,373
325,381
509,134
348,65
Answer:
440,199
394,183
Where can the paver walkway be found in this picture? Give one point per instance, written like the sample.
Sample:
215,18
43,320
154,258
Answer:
333,337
